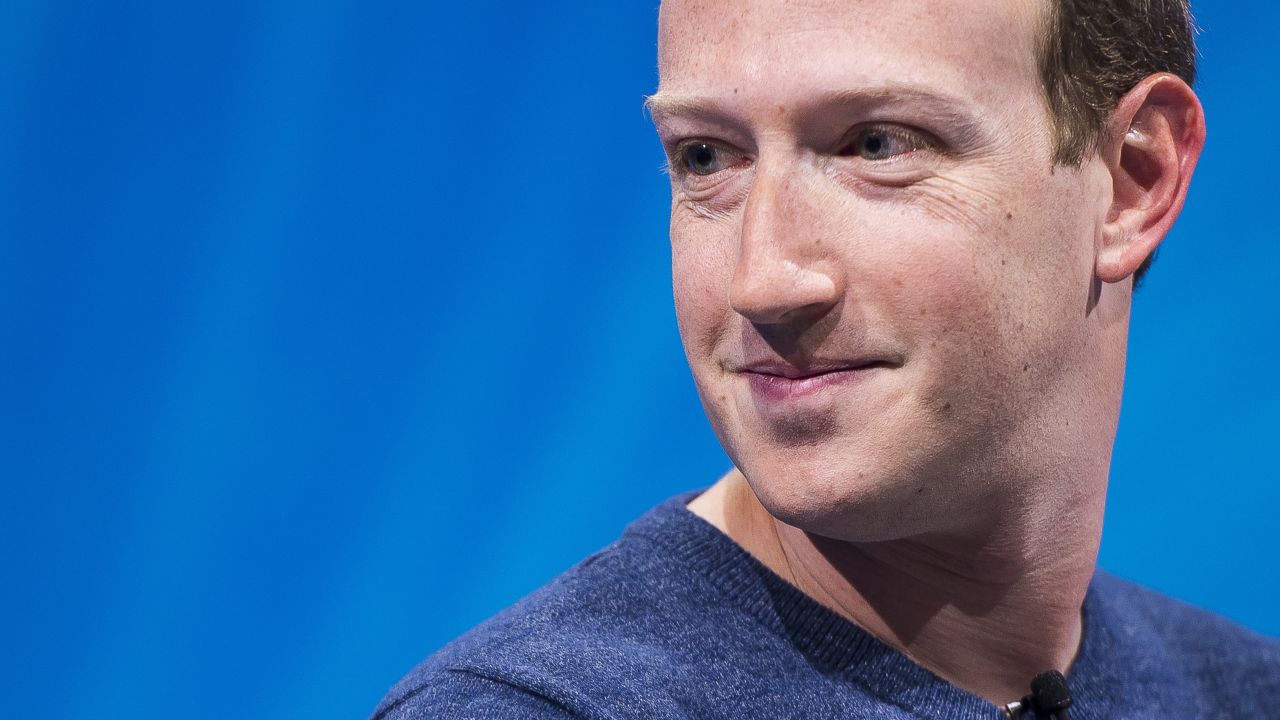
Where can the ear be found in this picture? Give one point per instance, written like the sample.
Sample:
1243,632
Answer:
1151,147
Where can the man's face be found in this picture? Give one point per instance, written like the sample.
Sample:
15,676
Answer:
880,278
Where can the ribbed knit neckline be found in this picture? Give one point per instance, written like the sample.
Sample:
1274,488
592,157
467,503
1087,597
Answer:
841,647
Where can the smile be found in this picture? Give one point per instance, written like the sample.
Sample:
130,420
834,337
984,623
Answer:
780,388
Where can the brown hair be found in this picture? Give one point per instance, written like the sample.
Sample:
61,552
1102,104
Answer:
1095,51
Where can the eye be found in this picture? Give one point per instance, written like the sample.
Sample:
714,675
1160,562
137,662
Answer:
882,142
703,158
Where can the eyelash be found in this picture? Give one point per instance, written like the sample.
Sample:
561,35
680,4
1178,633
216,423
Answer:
911,139
678,164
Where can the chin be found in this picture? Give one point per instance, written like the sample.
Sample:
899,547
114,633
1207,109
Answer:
842,470
850,497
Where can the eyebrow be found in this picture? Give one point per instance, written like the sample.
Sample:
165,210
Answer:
953,112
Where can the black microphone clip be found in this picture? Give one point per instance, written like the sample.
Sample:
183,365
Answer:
1049,698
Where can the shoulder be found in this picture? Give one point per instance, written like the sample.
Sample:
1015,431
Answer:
1191,630
1220,657
455,694
612,617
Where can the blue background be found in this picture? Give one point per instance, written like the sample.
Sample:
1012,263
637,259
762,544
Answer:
327,329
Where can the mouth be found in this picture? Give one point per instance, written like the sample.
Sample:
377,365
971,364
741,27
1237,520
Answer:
811,370
776,382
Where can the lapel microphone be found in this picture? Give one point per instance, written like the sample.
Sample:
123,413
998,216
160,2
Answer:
1049,698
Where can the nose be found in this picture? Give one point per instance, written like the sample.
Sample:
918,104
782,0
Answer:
783,273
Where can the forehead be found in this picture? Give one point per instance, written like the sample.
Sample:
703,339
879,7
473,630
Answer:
774,51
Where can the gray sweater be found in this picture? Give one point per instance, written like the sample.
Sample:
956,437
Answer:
675,620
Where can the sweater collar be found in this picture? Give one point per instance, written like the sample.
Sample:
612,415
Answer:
1104,664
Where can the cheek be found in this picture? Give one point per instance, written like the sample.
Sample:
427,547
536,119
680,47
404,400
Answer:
945,305
700,262
701,257
997,296
1012,247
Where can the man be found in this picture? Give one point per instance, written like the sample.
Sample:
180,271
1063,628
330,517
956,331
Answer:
905,235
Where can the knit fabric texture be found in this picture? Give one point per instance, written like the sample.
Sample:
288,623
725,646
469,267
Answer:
675,620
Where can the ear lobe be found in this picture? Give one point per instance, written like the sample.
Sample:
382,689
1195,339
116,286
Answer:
1153,142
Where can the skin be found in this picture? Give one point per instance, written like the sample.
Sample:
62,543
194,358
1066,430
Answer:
872,181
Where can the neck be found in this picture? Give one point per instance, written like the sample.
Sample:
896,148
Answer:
986,611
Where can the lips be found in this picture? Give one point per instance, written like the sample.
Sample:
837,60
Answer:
776,382
810,369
